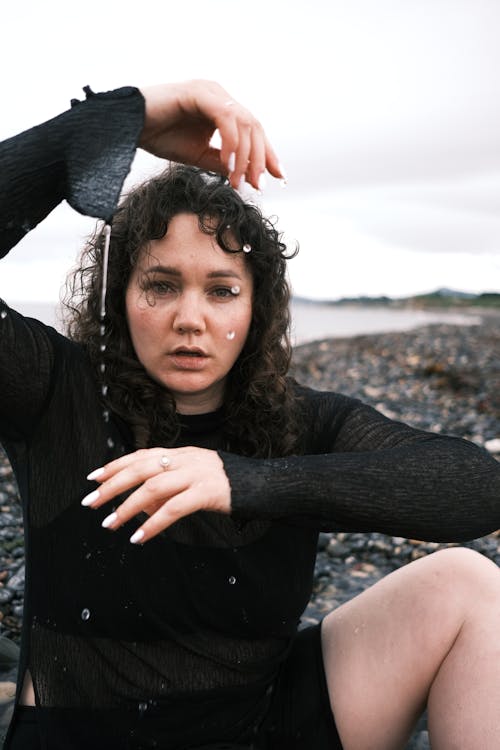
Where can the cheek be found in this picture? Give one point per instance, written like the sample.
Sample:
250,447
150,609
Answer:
235,328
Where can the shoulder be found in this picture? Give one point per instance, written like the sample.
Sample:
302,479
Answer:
322,413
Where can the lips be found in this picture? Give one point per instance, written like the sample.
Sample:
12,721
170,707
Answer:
189,358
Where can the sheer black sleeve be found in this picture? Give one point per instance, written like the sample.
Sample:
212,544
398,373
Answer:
82,155
364,472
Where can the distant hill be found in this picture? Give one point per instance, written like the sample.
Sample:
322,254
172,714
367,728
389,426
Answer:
439,298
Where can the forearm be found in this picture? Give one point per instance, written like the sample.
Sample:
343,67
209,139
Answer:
82,156
442,490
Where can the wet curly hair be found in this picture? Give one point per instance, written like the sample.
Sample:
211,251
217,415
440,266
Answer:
259,418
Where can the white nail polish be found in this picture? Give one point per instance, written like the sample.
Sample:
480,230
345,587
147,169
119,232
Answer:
284,177
135,538
109,520
90,498
95,474
231,162
262,182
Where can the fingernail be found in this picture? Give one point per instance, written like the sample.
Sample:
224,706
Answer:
231,162
95,474
262,182
241,185
284,177
135,538
90,498
109,520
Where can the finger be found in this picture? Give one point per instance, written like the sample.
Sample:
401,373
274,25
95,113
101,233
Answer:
273,164
183,504
149,497
125,473
213,161
257,164
242,155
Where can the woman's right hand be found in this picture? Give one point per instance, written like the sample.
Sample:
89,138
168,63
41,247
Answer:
181,118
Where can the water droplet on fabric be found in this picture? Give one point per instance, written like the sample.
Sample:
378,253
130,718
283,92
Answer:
232,580
104,390
102,367
143,707
102,330
105,415
85,614
110,443
3,314
103,347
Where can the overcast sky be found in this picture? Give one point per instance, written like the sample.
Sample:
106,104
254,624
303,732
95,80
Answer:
385,114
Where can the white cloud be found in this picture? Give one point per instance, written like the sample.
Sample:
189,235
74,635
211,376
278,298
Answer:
385,114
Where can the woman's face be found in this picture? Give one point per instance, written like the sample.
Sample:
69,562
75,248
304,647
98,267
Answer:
189,309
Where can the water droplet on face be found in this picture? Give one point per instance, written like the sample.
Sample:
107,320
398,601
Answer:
247,248
85,614
3,314
232,580
235,289
230,335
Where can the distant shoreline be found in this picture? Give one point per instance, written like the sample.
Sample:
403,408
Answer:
319,320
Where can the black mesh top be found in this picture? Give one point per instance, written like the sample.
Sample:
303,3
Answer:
130,646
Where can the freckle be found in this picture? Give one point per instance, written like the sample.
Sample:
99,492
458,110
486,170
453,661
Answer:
230,335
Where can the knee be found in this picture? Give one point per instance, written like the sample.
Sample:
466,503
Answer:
468,573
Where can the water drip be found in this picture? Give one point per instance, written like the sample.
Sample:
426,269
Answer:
85,614
3,314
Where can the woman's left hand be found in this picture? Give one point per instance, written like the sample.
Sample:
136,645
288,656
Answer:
171,483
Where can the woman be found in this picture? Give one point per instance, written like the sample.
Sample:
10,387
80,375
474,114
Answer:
172,396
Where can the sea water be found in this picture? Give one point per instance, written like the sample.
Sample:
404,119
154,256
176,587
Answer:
316,321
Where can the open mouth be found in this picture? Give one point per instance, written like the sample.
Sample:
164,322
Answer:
188,358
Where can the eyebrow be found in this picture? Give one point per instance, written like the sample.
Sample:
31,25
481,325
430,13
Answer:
171,271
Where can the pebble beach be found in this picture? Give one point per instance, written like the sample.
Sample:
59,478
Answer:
443,378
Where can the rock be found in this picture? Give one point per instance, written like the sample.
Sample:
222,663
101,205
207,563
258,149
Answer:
493,446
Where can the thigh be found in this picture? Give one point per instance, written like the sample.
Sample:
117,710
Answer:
300,716
383,649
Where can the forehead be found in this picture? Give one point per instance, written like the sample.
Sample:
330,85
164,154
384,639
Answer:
184,244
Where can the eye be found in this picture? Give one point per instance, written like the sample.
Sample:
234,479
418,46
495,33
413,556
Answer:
224,292
159,287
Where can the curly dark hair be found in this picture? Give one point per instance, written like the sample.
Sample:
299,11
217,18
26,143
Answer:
258,399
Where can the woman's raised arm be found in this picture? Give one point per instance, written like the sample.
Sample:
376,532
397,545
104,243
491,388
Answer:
84,154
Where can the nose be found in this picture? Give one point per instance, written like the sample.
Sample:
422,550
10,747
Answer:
189,314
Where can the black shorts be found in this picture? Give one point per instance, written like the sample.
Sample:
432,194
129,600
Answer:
299,717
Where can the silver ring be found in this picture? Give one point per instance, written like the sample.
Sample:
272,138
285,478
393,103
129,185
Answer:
164,462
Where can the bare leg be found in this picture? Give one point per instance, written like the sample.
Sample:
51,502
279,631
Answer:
427,634
28,693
